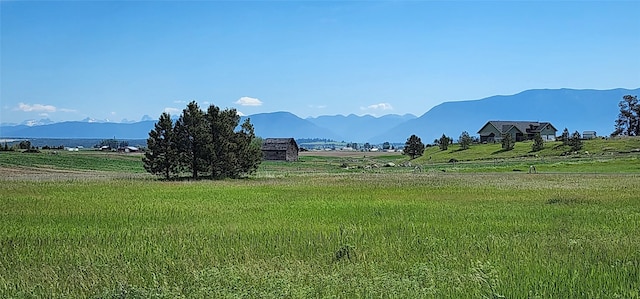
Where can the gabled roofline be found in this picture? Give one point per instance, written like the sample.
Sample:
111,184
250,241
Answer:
489,123
511,124
548,124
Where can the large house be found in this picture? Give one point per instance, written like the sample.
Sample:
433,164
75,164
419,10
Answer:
492,131
280,149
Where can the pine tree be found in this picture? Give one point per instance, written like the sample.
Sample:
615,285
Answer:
223,148
443,142
507,142
565,137
250,153
538,143
191,140
575,141
465,140
161,155
628,121
413,147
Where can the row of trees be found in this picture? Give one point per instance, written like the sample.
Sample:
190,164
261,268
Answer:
202,143
415,148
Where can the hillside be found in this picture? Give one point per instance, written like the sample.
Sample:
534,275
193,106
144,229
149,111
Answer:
592,148
577,110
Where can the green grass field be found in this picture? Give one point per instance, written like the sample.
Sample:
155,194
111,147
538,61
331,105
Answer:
315,229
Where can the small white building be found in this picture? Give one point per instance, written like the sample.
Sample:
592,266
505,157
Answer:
589,134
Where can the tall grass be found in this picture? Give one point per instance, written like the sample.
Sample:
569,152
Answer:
82,160
408,235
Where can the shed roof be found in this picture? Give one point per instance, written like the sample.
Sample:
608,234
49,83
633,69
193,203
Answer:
278,144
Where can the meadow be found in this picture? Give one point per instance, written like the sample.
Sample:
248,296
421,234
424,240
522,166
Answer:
317,229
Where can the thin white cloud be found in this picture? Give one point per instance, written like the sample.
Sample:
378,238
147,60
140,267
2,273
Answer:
247,101
179,102
317,106
36,108
41,108
379,106
172,111
240,113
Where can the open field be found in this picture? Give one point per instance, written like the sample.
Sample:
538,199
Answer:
84,228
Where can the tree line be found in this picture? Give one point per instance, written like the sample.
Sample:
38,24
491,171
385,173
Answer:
202,144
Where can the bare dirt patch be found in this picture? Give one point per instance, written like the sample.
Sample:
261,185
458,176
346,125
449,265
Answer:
348,154
52,174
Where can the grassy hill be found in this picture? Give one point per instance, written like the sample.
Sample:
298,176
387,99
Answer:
619,155
523,149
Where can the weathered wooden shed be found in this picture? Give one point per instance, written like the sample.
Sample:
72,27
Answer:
280,149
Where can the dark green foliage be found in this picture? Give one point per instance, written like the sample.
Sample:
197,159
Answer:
191,140
230,153
565,137
443,142
161,157
25,144
465,140
386,145
250,154
628,121
538,143
202,143
507,142
575,142
413,147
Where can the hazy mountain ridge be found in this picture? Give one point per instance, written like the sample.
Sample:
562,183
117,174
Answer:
577,110
359,128
574,109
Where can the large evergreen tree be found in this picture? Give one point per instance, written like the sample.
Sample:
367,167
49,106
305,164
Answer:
628,121
413,147
223,150
161,156
191,140
250,154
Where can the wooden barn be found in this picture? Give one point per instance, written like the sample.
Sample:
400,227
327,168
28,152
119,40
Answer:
280,149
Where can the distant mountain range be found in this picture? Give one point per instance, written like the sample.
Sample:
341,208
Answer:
577,110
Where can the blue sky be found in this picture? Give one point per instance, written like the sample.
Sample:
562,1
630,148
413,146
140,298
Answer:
121,59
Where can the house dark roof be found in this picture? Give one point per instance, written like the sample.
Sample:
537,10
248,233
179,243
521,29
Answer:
278,144
522,126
